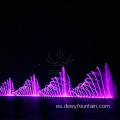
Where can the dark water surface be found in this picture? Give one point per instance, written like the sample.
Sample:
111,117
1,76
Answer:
36,108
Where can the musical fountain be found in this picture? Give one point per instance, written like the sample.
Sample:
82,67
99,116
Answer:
98,84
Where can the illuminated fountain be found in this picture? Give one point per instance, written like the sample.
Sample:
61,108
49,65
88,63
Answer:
58,87
30,88
7,88
98,84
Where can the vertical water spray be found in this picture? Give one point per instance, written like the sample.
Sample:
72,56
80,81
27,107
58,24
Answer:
7,88
30,88
109,83
64,82
59,86
98,84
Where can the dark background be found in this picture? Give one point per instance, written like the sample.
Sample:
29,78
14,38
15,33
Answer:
30,31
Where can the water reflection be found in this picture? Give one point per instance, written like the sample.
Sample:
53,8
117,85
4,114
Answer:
36,108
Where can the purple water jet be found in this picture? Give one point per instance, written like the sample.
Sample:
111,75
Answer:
30,88
59,86
98,84
7,88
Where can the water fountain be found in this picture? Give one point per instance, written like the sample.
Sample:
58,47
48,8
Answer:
98,84
7,88
30,88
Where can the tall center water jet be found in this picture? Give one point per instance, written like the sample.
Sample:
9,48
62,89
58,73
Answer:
10,86
64,82
109,83
34,85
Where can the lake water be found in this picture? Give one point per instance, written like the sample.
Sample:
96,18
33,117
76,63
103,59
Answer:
36,108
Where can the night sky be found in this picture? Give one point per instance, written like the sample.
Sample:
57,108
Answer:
30,31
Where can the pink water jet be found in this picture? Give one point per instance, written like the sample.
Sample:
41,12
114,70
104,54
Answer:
98,84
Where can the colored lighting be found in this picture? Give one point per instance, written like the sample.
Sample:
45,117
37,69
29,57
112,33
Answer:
96,85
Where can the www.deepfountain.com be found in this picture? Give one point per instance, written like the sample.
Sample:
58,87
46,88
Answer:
82,106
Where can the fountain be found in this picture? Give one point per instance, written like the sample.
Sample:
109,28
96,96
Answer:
30,88
7,88
98,84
